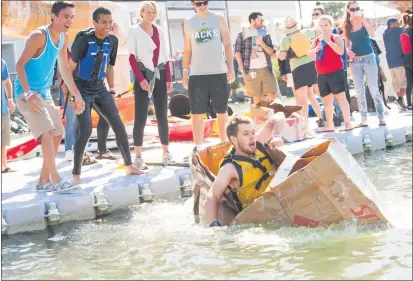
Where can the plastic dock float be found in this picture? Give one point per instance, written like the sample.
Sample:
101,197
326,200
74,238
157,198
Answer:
107,189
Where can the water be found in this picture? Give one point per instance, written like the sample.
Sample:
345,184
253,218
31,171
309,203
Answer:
161,241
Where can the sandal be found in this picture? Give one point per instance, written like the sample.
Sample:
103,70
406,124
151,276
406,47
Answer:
87,160
324,130
109,156
7,170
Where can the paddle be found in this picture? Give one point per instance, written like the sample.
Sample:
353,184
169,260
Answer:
130,89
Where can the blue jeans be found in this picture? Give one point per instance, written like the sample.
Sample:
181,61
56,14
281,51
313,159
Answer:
70,127
367,66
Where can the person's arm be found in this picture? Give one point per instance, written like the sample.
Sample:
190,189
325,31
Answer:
238,50
266,46
284,46
186,59
225,175
369,27
314,49
338,45
34,43
110,77
65,71
135,69
273,127
226,41
8,87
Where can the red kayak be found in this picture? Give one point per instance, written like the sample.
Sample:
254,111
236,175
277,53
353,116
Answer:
21,149
181,130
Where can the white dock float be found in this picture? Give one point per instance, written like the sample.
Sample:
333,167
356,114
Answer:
107,189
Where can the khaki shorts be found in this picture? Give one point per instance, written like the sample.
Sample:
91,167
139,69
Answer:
263,84
5,130
398,76
40,123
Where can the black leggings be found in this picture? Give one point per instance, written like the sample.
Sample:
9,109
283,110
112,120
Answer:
102,130
160,100
104,104
409,78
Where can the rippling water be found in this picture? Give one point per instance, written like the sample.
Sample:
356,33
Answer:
161,241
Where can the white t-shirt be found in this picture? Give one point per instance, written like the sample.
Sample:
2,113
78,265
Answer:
258,59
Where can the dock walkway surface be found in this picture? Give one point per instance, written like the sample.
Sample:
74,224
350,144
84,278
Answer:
106,188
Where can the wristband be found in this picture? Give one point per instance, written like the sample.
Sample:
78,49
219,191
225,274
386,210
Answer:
215,223
27,95
112,92
184,69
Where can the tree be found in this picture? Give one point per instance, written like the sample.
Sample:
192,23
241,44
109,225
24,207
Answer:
335,9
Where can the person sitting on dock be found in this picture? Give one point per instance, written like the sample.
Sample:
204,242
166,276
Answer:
246,170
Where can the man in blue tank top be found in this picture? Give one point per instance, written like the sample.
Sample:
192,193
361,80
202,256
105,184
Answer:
92,59
35,69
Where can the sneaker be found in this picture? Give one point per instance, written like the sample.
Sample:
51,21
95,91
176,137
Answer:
48,187
139,164
321,123
69,155
63,186
400,103
167,157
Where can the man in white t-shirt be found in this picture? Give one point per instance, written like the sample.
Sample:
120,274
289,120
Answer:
253,54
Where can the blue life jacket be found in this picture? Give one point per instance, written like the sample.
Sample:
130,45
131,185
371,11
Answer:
95,55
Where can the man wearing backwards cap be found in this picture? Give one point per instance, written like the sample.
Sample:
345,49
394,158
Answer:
394,56
297,43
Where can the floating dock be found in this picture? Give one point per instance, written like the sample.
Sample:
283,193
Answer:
107,189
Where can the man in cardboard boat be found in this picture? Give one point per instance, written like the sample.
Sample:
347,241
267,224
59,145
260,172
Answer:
247,168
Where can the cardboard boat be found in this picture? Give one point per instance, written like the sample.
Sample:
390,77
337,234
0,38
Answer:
325,186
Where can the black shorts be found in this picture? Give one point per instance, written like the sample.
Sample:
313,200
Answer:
207,90
305,75
332,83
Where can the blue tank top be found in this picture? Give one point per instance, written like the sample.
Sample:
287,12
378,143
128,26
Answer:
360,42
40,70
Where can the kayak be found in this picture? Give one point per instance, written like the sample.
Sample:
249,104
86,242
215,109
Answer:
300,193
181,129
21,149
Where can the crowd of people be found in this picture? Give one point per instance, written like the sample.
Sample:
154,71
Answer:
312,61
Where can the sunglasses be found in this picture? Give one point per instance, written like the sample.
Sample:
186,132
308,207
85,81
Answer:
316,14
261,20
199,4
354,9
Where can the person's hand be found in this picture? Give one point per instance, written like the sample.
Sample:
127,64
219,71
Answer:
318,47
144,85
351,54
12,106
230,76
80,104
284,77
259,41
185,79
33,103
113,94
169,87
276,142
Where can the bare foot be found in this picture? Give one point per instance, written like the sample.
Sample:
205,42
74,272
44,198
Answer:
76,179
349,126
130,170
